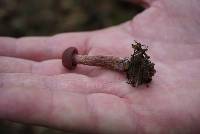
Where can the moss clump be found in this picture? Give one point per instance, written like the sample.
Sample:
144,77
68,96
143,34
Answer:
140,69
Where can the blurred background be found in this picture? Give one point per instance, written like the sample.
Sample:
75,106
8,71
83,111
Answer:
48,17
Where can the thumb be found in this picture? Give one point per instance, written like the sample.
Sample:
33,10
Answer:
168,21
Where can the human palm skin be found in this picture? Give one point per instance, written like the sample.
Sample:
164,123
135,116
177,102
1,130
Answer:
35,88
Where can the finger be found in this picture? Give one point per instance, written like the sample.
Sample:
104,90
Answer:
47,67
16,65
42,48
71,82
32,101
37,104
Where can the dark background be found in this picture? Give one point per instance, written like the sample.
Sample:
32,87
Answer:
48,17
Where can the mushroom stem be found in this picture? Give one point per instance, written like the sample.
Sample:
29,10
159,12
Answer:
109,62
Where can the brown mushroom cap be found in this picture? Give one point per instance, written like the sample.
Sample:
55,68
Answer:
68,59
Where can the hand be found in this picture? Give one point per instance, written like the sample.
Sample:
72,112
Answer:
35,88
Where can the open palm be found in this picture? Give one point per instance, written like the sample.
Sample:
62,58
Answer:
35,88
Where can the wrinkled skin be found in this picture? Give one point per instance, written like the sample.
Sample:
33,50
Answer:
35,88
